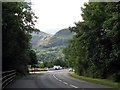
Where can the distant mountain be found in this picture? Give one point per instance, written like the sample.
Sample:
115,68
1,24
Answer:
48,46
61,38
40,39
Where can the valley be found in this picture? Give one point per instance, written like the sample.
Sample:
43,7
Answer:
48,47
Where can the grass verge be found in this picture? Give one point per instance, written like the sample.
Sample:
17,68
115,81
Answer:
96,80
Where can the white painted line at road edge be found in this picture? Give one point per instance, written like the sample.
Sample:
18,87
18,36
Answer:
73,86
60,80
65,83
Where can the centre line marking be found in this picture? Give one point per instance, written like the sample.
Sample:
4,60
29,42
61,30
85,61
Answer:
55,77
64,82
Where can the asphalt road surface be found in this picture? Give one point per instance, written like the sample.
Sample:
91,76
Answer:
53,79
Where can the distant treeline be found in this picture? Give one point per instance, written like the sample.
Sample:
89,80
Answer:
95,49
17,24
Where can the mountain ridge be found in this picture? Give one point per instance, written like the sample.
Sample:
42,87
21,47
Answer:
50,46
40,38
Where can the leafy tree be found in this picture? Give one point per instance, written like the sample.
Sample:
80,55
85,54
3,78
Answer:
59,61
48,64
95,49
41,65
17,24
33,58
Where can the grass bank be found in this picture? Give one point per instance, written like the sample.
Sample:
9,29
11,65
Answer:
96,80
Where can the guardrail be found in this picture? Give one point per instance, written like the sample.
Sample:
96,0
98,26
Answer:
7,77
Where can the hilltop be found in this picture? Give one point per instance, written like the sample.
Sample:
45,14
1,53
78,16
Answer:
50,46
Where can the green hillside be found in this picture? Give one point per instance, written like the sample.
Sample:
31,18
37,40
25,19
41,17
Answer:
48,47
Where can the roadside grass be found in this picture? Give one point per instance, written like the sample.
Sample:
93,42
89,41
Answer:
96,80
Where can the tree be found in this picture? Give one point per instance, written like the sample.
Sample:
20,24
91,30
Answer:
95,49
48,64
33,58
59,61
17,24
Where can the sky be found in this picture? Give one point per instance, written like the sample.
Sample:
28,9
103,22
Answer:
54,15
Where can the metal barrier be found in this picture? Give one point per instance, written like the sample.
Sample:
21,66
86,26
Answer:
7,77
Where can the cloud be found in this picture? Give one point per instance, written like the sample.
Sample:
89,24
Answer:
57,14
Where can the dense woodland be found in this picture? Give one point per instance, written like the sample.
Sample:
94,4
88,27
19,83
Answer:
95,49
17,24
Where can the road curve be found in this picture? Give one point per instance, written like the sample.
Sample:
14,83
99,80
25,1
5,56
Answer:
53,79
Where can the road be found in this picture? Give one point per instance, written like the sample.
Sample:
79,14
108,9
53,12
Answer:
53,79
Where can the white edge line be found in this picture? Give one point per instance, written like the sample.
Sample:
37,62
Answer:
60,80
65,83
73,86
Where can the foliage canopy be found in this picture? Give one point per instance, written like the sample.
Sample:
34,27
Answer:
95,49
17,24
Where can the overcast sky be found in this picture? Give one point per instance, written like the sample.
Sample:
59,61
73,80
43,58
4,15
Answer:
55,15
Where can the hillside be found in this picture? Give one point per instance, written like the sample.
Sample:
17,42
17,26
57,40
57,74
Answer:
61,38
49,47
40,39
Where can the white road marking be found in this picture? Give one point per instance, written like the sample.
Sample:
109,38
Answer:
50,71
55,77
60,80
73,86
65,82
